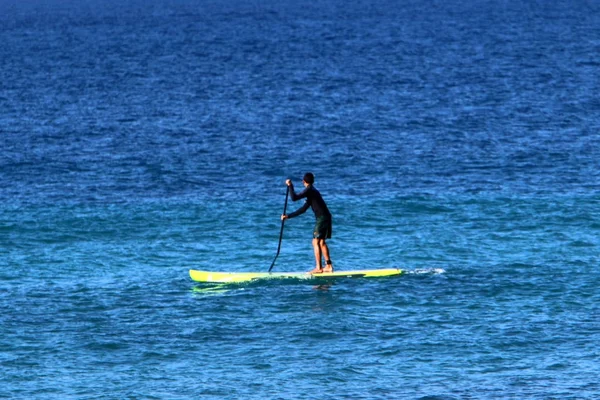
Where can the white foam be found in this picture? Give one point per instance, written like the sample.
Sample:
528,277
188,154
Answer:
423,271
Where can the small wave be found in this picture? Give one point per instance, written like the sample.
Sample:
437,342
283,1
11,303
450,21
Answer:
425,271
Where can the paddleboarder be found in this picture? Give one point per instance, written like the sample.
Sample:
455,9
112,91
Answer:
322,230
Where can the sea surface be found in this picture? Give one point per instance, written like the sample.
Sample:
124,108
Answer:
457,140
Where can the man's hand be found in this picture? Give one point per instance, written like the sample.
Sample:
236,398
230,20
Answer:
284,217
288,182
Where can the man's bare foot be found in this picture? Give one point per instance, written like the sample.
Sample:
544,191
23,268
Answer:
328,269
316,271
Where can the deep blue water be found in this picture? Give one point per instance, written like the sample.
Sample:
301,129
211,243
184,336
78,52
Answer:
457,140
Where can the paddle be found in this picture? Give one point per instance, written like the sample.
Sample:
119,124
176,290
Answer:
287,192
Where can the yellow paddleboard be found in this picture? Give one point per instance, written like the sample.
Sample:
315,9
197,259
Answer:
235,277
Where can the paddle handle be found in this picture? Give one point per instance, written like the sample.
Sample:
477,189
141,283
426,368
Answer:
287,192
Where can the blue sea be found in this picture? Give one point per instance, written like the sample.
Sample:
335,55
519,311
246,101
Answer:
456,140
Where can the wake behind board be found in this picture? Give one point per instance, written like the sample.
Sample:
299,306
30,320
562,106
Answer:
237,277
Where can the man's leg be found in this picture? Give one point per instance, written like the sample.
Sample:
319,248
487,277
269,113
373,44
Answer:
325,252
319,263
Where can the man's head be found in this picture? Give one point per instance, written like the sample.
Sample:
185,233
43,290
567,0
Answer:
308,178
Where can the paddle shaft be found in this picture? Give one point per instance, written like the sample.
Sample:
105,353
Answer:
287,192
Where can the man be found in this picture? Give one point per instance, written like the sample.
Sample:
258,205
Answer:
322,229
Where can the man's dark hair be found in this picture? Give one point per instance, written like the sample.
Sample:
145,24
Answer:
309,178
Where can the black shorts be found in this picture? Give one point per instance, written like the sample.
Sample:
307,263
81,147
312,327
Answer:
322,228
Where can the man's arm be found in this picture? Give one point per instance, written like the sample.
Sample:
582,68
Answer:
299,211
295,196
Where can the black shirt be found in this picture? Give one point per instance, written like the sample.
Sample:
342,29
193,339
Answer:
313,200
